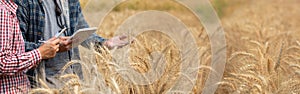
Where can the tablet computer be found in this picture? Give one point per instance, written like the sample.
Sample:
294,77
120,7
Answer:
81,35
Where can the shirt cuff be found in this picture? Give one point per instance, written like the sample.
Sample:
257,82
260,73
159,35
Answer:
36,54
100,41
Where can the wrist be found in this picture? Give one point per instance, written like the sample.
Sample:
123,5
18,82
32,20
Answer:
41,53
105,43
38,54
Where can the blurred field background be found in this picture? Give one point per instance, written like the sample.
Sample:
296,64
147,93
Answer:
263,48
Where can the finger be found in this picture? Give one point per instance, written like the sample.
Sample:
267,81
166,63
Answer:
74,39
56,47
69,47
55,42
122,45
126,43
62,43
64,38
65,43
122,37
123,42
69,42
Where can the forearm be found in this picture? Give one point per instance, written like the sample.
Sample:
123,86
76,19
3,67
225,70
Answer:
13,59
12,64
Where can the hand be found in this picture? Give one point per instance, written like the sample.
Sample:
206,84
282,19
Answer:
49,48
118,41
64,44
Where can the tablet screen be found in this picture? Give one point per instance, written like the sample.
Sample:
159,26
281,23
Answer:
81,35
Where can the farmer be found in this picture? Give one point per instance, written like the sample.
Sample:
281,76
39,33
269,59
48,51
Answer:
14,61
42,19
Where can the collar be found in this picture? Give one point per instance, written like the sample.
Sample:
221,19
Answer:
10,5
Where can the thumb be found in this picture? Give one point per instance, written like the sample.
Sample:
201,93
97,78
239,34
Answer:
64,38
123,42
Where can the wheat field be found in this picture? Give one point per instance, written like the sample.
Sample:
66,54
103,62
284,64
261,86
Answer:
263,50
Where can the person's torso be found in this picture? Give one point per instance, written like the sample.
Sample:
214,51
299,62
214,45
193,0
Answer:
53,24
17,83
32,11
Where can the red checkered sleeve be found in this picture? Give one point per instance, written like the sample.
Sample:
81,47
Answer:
14,61
13,58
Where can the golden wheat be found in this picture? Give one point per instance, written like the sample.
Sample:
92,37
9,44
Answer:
262,47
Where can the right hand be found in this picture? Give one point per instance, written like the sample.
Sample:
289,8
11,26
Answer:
64,44
117,41
49,48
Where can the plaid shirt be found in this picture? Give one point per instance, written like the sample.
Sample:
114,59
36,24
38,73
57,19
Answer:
32,20
32,24
14,61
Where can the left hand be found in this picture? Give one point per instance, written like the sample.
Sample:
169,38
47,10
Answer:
65,44
117,41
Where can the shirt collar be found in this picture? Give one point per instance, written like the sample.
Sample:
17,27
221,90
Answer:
10,5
